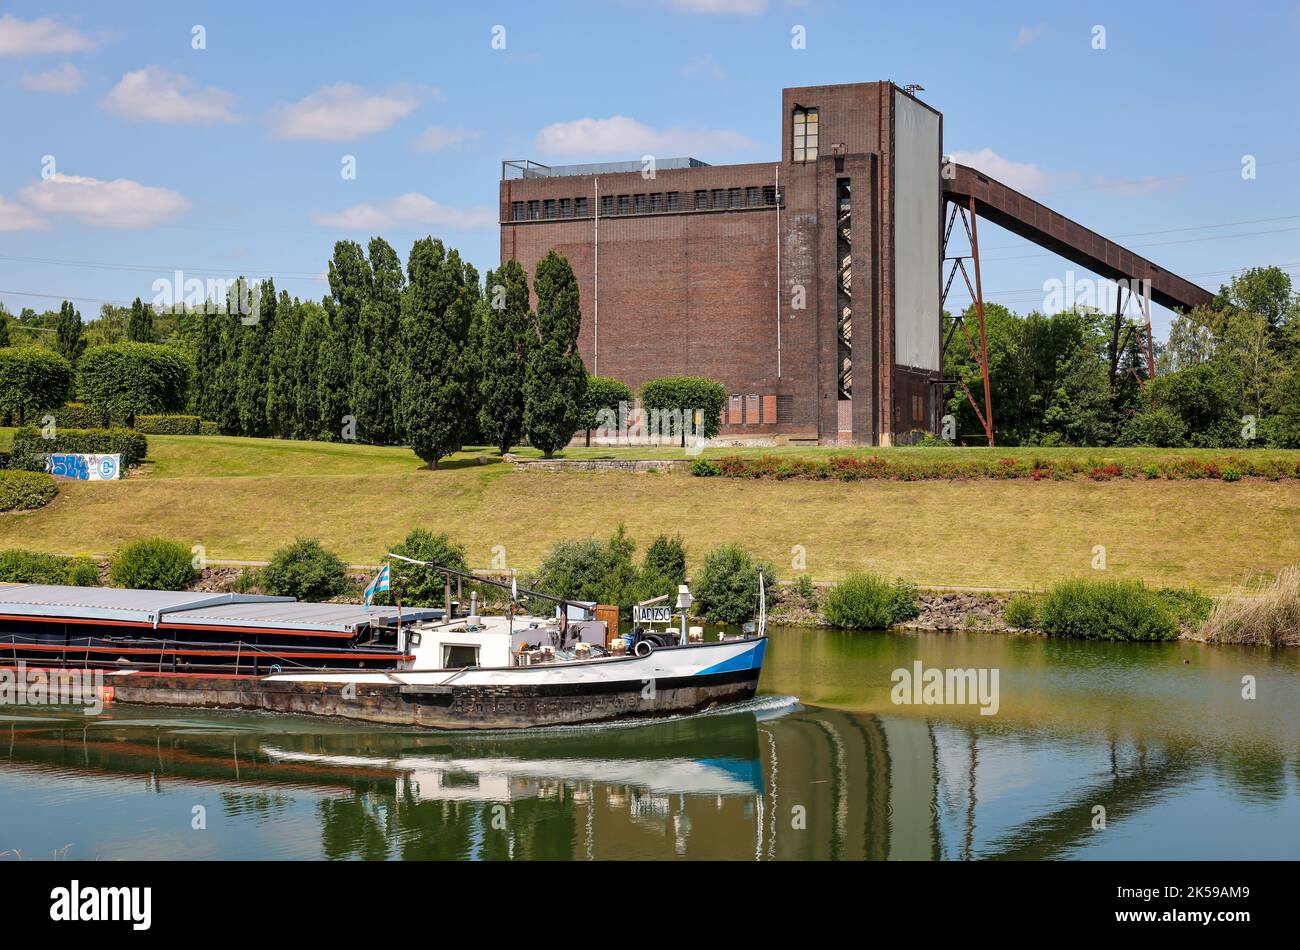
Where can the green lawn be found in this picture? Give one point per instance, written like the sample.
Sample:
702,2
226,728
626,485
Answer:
242,498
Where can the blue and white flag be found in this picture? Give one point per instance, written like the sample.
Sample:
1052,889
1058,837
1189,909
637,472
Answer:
379,583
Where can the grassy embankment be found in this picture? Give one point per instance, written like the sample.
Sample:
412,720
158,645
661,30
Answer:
242,498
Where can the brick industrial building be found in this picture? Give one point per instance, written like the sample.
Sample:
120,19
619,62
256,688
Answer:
810,287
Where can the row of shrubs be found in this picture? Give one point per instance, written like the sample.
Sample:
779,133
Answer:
77,415
25,491
31,446
852,468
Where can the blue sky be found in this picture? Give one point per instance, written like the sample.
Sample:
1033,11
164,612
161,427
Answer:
228,159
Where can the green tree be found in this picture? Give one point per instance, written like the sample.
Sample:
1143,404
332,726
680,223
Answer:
139,327
312,327
434,399
420,586
556,381
282,368
4,327
506,325
726,586
32,380
68,341
682,402
254,359
374,361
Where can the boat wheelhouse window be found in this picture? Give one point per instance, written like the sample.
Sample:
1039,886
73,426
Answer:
456,657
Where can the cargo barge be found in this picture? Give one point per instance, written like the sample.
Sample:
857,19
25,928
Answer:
424,668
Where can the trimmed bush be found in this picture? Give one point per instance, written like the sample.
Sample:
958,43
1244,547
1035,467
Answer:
32,380
75,415
209,428
124,380
726,587
167,424
1106,610
869,602
36,567
153,564
685,394
305,570
603,393
423,586
25,491
30,447
705,468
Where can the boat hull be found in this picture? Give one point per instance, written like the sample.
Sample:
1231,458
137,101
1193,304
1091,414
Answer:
672,681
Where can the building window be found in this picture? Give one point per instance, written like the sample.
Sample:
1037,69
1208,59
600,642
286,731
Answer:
606,205
736,198
566,207
580,207
701,200
548,208
624,204
534,210
736,413
517,210
751,197
751,409
769,194
641,206
805,135
719,198
674,201
656,202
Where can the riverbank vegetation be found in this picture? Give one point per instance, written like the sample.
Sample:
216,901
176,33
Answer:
1263,617
867,601
1110,610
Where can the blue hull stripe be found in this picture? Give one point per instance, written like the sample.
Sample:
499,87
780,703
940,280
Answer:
751,659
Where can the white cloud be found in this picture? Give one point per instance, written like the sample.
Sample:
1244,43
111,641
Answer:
1027,35
437,137
623,136
1022,176
120,203
1030,178
153,94
742,7
45,35
343,111
14,217
704,67
410,208
65,80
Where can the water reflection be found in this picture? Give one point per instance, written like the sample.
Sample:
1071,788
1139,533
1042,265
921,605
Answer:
1156,736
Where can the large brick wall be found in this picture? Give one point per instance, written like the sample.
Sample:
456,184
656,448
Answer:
696,291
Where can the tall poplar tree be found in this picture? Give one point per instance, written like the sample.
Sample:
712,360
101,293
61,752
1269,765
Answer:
69,339
435,318
374,358
139,326
282,368
504,349
556,380
254,355
311,335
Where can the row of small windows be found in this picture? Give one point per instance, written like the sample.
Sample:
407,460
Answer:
715,199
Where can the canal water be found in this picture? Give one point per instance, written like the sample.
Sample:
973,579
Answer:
1091,750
